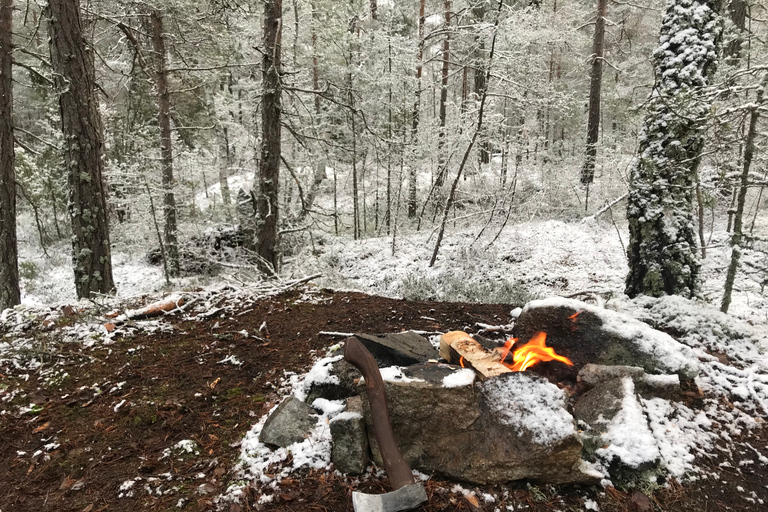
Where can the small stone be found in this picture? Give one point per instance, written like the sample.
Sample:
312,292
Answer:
347,375
205,488
350,440
290,423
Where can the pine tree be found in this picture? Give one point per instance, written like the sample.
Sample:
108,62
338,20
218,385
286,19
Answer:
662,248
9,268
75,80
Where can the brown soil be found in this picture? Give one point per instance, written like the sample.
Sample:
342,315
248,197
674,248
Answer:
176,388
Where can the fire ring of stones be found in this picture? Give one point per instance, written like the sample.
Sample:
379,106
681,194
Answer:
559,402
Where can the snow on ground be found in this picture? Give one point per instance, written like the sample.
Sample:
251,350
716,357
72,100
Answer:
528,260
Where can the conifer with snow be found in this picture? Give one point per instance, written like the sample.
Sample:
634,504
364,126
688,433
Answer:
662,249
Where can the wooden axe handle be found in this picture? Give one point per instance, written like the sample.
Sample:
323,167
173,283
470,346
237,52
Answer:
398,470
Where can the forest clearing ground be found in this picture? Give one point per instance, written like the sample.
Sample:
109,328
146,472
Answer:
106,424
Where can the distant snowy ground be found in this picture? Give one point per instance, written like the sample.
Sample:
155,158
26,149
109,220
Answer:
532,259
540,258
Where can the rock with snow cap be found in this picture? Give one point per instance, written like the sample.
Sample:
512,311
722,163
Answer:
342,386
649,386
588,334
290,423
349,438
616,432
507,428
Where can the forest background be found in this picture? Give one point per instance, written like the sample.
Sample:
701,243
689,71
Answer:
395,120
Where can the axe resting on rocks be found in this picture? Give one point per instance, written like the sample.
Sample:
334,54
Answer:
407,494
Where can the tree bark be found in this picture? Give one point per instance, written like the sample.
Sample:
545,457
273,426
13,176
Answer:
596,79
662,248
444,96
269,170
166,148
9,258
75,80
224,166
738,12
416,111
749,153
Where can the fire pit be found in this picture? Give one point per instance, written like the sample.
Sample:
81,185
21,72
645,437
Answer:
557,402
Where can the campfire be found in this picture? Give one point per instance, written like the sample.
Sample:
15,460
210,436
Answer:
557,402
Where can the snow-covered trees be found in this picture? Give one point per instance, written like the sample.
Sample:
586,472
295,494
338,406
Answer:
9,268
75,80
662,248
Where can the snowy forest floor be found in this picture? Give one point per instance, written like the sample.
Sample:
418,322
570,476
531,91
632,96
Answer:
151,418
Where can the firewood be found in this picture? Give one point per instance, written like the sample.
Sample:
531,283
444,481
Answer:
458,347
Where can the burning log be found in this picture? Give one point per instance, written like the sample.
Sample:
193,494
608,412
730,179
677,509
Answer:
458,347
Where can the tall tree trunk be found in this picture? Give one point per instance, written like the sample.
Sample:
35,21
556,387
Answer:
9,258
166,148
738,12
374,9
662,246
416,112
596,79
749,153
75,80
269,170
224,165
444,95
484,150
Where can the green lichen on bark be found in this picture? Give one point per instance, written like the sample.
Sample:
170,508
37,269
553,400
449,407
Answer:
662,248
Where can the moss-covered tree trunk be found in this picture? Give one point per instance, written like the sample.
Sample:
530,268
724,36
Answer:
662,248
75,80
9,260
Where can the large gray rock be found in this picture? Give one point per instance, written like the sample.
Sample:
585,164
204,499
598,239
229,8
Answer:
398,349
349,452
588,334
290,423
508,428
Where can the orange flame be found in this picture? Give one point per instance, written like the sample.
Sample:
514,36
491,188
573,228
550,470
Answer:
572,318
461,362
533,352
507,347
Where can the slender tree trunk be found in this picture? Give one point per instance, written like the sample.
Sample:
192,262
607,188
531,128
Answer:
389,131
9,258
484,153
269,170
596,79
416,113
738,12
374,9
444,96
75,80
224,166
478,128
749,153
166,148
662,249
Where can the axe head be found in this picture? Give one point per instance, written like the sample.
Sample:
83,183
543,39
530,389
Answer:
407,497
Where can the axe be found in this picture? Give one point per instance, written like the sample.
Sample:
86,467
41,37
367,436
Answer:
407,494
